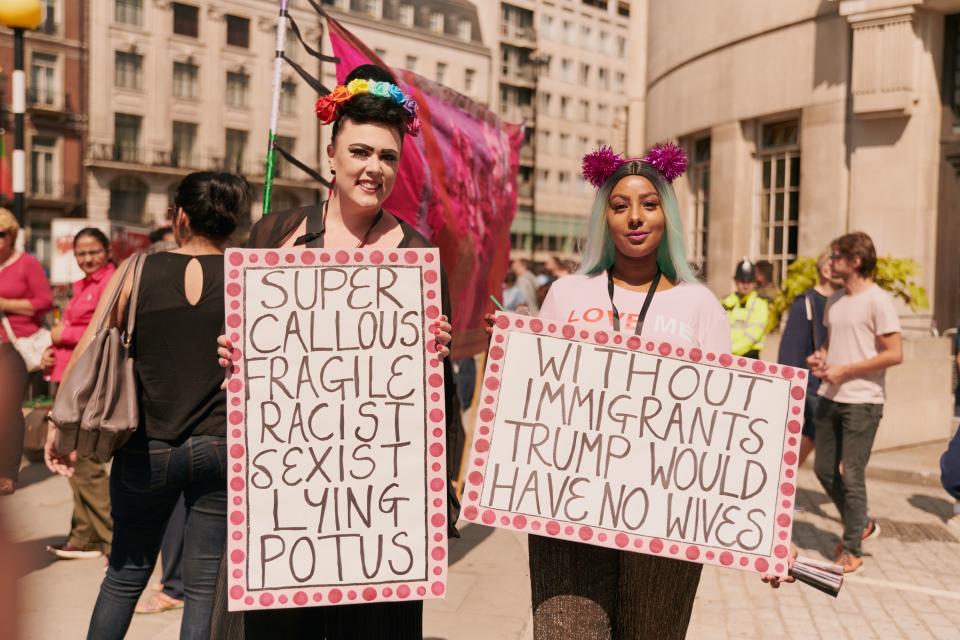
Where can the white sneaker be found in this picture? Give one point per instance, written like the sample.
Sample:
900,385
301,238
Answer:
67,551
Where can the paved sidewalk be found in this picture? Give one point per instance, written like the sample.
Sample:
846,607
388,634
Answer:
909,588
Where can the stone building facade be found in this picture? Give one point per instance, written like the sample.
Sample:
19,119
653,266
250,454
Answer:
56,117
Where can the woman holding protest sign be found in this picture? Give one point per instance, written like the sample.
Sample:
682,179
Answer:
634,277
180,444
371,116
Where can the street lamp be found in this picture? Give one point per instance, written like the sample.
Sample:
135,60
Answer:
538,61
19,15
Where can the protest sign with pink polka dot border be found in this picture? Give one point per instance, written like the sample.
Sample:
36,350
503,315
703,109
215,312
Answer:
773,563
240,596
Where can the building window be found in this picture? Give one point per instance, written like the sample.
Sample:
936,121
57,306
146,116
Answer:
184,139
584,110
405,14
465,29
281,166
128,199
621,47
128,12
623,8
48,17
565,107
621,80
186,20
441,72
381,53
566,70
236,150
584,75
238,84
603,114
583,143
546,142
603,45
43,166
127,70
185,80
372,8
951,66
43,79
546,103
411,63
126,138
603,78
779,158
699,182
468,77
238,32
564,144
546,27
288,98
568,32
436,22
586,37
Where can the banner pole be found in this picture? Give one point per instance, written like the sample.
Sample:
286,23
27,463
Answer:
275,106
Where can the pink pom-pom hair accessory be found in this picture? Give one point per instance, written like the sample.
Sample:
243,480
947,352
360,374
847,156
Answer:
667,158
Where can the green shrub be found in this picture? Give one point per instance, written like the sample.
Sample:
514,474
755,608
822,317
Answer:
896,275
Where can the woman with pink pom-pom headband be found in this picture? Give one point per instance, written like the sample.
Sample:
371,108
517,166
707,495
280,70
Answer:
634,278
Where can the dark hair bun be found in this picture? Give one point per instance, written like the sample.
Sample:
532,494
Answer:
367,108
214,202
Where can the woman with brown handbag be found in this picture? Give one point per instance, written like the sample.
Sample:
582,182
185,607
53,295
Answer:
180,443
24,299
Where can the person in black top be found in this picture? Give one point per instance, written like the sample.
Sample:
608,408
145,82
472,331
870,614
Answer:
364,155
180,445
803,334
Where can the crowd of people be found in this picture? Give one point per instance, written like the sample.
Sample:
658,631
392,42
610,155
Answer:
165,493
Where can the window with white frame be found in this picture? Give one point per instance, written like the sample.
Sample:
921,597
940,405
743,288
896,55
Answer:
49,23
586,37
699,218
184,140
288,98
128,12
565,107
436,22
44,88
546,26
441,72
621,47
235,150
405,14
603,114
465,29
566,70
238,84
564,144
43,166
584,74
546,103
568,32
603,78
372,8
469,76
621,80
603,45
546,142
584,114
779,210
127,70
185,80
411,63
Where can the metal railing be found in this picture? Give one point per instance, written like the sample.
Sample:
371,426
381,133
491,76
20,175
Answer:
173,159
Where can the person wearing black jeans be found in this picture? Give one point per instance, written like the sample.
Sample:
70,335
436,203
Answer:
180,447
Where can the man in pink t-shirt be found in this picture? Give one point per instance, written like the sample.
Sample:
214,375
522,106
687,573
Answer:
863,340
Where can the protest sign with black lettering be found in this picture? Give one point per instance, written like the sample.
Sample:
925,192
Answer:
614,440
337,478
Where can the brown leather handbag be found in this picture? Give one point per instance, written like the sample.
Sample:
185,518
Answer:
96,410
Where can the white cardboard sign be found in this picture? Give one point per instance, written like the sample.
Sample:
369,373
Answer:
609,439
337,479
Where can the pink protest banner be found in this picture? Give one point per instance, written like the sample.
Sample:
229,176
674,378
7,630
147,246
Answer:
337,478
608,439
457,185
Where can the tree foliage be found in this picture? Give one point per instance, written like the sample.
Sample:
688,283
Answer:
896,275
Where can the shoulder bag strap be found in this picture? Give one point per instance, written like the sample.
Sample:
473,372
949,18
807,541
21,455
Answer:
134,297
115,296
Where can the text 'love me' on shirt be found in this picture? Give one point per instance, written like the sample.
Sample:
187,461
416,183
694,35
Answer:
688,315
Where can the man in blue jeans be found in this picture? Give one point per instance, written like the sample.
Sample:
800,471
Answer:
863,340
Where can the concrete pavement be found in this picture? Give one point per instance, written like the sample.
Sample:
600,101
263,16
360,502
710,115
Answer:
909,587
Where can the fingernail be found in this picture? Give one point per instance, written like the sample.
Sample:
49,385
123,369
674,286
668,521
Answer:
436,331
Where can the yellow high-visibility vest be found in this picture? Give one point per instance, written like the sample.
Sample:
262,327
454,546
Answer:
748,321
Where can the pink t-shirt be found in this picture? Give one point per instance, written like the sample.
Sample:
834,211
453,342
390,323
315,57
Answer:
79,313
853,323
688,315
24,279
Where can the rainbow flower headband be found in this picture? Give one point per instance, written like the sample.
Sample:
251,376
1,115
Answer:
667,158
328,107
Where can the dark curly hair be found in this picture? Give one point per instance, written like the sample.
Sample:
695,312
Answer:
214,202
367,108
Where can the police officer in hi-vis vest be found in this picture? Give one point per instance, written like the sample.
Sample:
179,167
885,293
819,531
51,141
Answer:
747,312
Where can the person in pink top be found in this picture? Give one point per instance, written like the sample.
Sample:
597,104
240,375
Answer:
24,299
91,527
634,277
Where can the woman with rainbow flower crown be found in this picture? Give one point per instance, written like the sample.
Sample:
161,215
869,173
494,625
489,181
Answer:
370,117
634,277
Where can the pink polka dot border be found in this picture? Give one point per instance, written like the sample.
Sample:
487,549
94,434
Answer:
781,529
241,595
